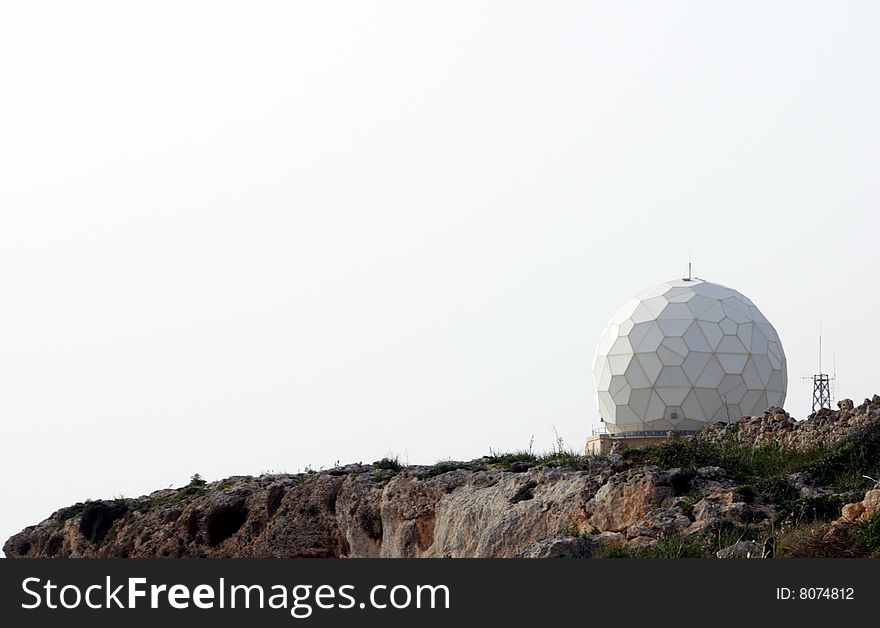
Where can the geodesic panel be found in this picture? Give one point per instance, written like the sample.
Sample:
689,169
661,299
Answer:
685,353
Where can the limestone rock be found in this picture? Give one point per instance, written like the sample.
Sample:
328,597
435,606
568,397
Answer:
863,510
740,549
852,515
449,509
725,506
560,546
626,498
824,427
804,485
353,512
659,523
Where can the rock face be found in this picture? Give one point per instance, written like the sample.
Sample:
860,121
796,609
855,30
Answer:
859,512
357,511
839,531
477,509
825,427
741,549
360,511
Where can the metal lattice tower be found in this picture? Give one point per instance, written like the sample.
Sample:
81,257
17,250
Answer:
822,384
821,391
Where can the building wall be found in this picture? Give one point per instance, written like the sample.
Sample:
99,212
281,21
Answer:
600,444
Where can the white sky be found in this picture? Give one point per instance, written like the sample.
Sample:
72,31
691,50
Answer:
239,237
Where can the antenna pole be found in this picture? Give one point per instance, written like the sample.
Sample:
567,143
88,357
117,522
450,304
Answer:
822,382
835,388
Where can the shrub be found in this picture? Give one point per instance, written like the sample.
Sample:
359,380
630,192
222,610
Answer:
817,508
70,512
742,462
507,459
869,532
819,543
389,464
445,466
848,461
565,458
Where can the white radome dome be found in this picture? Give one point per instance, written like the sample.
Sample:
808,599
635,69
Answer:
686,353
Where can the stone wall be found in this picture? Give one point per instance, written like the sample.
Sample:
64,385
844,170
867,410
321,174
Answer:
825,427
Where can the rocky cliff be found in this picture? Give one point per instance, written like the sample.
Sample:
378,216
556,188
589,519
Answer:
825,427
764,485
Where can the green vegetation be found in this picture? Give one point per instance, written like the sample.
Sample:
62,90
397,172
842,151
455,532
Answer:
800,527
812,542
691,500
565,458
743,463
869,533
672,546
845,466
388,464
842,466
561,456
797,510
70,512
763,470
445,466
180,496
506,460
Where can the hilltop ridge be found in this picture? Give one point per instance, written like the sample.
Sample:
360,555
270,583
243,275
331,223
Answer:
760,486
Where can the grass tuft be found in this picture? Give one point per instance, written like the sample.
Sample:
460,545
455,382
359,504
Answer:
388,464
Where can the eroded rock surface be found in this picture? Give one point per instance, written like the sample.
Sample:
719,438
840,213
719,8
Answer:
477,509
